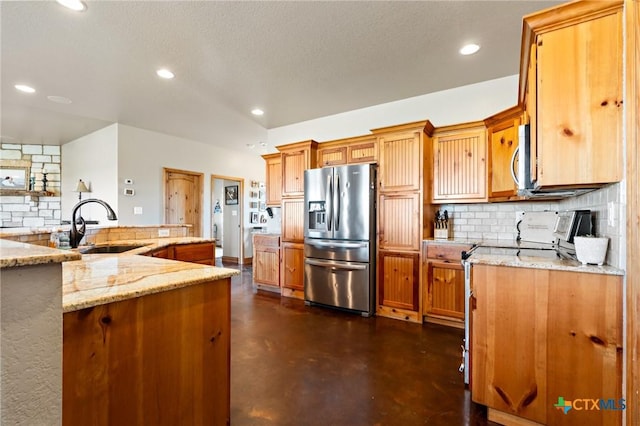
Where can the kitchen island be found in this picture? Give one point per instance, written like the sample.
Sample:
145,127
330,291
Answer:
145,341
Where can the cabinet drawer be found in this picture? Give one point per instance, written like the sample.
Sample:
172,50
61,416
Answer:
194,253
446,251
266,241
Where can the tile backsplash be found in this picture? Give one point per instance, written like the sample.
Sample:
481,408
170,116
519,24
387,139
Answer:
491,221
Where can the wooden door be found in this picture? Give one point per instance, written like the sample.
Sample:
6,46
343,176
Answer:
334,156
446,289
459,169
362,152
509,340
294,163
502,135
183,199
273,179
579,104
399,282
293,220
293,266
400,162
399,225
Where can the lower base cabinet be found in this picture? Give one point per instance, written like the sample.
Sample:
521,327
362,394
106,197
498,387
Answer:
542,339
266,261
399,285
203,253
292,272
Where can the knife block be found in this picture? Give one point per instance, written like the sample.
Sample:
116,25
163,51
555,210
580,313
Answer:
442,233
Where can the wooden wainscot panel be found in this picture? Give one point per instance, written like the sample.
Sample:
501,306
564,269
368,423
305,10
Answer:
160,359
293,219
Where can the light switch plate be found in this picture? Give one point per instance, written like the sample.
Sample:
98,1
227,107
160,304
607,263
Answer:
163,233
129,191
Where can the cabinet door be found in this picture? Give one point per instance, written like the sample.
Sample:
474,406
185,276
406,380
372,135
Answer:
459,169
294,163
274,179
400,162
445,293
197,253
579,103
362,153
293,219
266,265
399,280
293,266
503,140
332,156
399,224
509,340
584,346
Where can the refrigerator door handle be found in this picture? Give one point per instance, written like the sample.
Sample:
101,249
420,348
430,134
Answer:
329,200
335,244
337,202
334,265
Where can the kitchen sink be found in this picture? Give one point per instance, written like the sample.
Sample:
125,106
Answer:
109,249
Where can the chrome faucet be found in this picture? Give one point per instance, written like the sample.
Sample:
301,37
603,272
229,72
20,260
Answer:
76,235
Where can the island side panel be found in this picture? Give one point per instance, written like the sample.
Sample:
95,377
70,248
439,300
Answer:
161,359
31,343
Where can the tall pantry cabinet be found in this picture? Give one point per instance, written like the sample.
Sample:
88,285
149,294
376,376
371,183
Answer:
403,188
296,158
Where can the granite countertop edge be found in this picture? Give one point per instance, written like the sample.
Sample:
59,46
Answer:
556,265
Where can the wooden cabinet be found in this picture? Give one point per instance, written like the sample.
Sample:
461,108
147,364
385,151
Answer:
360,149
296,158
399,221
266,261
273,185
203,253
459,163
575,53
443,289
293,220
538,335
403,187
158,359
292,272
399,285
502,137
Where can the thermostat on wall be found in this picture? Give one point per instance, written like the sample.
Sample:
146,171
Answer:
129,191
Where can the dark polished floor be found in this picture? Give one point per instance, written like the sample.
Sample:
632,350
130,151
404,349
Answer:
298,365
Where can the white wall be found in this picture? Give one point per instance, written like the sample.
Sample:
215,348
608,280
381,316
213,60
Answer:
458,105
142,154
94,159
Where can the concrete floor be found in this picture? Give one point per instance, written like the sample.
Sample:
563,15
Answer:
298,365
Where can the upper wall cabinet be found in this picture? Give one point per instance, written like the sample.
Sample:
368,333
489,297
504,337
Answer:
459,163
502,137
274,178
400,155
296,158
571,84
360,149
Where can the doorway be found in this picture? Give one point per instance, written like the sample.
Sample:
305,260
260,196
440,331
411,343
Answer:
227,226
183,199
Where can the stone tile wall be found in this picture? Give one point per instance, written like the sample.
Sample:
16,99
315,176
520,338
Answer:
27,208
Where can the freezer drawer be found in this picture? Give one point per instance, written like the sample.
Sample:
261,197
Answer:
340,284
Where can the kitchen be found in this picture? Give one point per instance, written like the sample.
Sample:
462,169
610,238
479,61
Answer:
471,213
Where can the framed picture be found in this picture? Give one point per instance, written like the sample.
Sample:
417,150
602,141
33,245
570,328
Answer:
254,217
231,195
14,178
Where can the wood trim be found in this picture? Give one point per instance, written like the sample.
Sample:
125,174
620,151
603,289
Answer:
241,202
502,116
416,125
457,128
308,144
632,102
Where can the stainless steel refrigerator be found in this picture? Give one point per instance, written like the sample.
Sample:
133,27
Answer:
339,237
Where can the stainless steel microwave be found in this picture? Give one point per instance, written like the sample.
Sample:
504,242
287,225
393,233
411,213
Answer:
521,160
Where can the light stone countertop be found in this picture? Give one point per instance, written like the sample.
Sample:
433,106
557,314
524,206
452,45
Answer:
13,253
147,245
105,278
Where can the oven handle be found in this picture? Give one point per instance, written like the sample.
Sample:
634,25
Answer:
334,265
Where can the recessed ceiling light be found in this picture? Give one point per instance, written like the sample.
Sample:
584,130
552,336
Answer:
24,88
59,99
251,145
76,5
257,111
165,73
263,144
469,49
